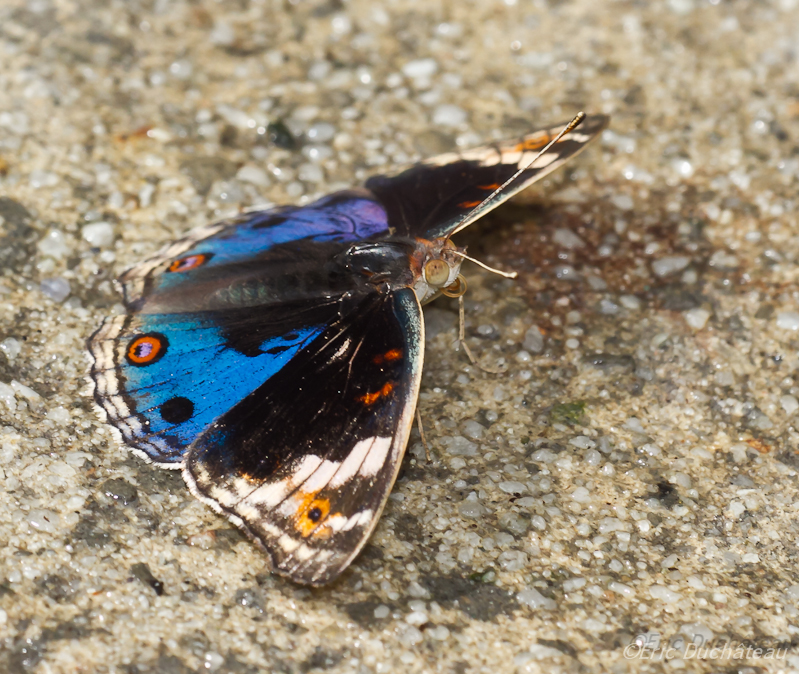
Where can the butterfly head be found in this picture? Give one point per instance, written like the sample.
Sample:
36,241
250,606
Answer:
437,268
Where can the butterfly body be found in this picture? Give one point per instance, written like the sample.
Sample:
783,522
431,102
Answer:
276,358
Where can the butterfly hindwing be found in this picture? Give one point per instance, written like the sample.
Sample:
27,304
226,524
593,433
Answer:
162,379
305,463
436,197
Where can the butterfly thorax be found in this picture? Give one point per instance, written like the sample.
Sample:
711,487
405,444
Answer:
424,265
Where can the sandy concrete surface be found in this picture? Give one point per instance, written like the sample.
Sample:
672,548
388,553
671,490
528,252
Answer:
623,493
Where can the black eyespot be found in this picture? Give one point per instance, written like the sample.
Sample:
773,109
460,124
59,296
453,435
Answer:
314,514
177,410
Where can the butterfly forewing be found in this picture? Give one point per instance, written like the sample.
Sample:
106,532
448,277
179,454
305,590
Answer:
306,462
437,197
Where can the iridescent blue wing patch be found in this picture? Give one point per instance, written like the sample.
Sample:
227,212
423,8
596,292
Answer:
340,217
437,197
162,379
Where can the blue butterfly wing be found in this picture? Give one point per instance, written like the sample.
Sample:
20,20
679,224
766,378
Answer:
163,379
220,249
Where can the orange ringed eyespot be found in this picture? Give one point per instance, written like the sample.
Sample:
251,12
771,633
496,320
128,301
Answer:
312,510
189,262
146,349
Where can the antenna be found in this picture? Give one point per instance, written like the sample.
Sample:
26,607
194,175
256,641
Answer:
571,126
506,274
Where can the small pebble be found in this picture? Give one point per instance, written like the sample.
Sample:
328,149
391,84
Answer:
697,318
533,340
98,234
11,347
449,116
670,265
788,402
566,238
420,68
57,289
788,320
54,244
630,302
535,600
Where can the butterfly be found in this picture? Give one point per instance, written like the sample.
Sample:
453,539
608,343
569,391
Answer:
275,358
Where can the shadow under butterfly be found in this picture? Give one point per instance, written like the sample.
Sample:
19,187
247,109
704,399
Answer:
275,358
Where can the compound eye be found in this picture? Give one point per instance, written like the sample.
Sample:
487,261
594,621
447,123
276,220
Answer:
436,272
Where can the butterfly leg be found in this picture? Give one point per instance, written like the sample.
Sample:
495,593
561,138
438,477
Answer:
421,435
462,339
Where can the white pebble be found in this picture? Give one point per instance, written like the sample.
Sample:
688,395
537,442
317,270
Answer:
449,115
634,425
54,244
533,340
512,560
416,618
512,487
420,68
472,429
57,289
98,234
582,442
608,525
566,238
664,594
410,636
43,520
471,509
682,166
535,600
382,611
581,495
792,593
11,347
253,175
8,397
593,457
75,503
25,391
573,584
670,265
622,589
697,318
789,403
623,202
544,456
565,272
460,446
735,509
607,307
630,302
788,320
59,415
